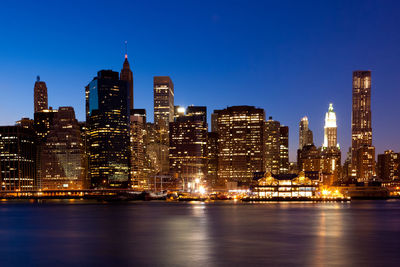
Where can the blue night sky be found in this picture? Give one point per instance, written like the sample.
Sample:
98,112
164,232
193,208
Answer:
291,58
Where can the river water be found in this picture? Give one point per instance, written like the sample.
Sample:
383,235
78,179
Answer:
83,233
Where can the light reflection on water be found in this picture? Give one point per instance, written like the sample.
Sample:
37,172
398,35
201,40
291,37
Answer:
195,234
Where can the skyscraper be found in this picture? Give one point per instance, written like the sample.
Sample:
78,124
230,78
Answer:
163,100
127,75
330,128
241,143
272,146
107,117
330,151
388,167
284,149
62,153
40,95
139,179
363,153
17,158
188,145
305,134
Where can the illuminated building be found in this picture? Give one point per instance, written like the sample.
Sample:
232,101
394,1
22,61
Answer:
62,154
272,146
388,167
363,153
43,120
330,128
127,75
40,95
107,121
284,149
305,134
156,152
240,144
330,151
139,179
17,158
188,145
212,159
285,186
309,159
163,106
25,123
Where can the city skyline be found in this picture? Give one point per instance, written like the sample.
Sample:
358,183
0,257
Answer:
262,82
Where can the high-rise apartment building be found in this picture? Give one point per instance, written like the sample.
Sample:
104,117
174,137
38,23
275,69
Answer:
188,145
107,118
62,153
40,95
127,75
17,158
241,143
363,153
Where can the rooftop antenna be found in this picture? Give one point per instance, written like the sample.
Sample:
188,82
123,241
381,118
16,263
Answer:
126,49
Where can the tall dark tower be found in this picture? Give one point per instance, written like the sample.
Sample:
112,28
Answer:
40,95
127,75
107,118
363,153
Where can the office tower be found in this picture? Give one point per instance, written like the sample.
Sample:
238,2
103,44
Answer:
363,153
188,146
330,151
284,149
127,75
241,143
40,95
62,154
43,120
163,101
107,121
17,158
156,152
330,128
139,179
212,159
305,134
83,131
272,146
25,123
388,167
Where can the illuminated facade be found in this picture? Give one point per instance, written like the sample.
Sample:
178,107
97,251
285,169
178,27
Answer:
17,158
363,153
330,151
127,75
330,128
388,167
285,187
188,145
163,106
107,118
284,149
40,95
309,159
156,151
240,144
139,176
62,154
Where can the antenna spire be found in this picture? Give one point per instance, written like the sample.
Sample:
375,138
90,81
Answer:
126,49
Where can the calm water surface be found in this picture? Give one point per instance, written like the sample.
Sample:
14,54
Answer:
81,233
